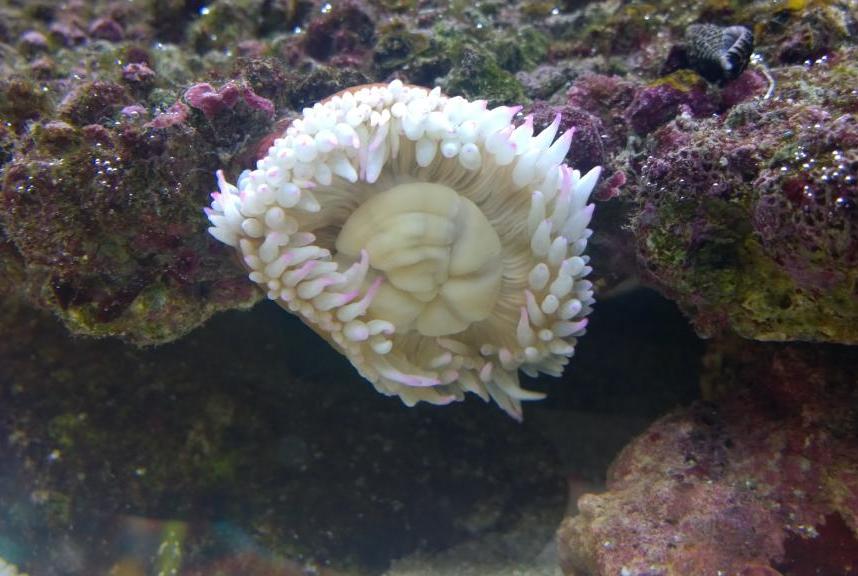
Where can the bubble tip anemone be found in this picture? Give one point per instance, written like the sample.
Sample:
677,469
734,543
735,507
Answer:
434,244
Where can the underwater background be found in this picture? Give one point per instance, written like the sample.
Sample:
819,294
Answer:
159,416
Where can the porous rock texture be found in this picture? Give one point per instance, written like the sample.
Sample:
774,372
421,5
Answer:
762,481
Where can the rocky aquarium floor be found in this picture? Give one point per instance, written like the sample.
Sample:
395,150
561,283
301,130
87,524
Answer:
240,453
158,416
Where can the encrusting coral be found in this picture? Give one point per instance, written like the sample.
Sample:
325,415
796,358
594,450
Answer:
435,244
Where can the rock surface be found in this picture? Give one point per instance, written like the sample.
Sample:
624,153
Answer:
762,481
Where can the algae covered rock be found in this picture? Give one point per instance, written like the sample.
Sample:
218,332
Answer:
105,220
115,120
760,482
749,220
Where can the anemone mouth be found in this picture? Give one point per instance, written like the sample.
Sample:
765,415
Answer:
435,244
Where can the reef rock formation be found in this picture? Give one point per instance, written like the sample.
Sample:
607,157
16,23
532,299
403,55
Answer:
761,483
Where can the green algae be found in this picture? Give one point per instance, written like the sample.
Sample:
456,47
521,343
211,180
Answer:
683,80
399,48
476,74
769,305
155,316
523,50
21,101
736,282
